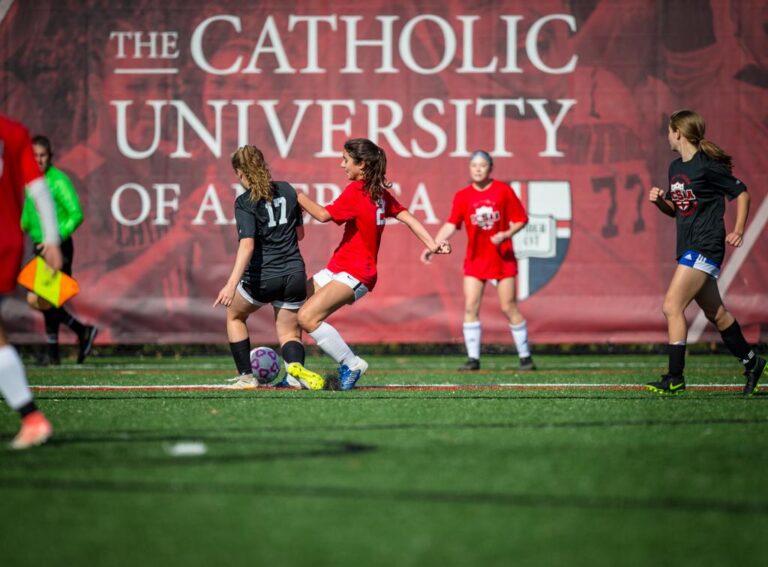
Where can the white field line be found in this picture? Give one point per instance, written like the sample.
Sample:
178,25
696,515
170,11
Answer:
738,257
182,387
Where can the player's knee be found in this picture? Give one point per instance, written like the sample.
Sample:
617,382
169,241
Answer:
307,321
671,308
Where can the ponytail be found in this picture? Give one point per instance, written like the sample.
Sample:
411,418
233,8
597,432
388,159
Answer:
691,125
251,162
361,150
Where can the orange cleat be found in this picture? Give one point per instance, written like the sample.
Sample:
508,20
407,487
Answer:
35,430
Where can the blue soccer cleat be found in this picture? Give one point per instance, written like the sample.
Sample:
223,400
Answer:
348,376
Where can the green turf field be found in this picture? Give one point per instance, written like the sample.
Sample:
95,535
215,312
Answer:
513,476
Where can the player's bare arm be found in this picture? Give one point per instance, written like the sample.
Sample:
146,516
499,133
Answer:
736,237
440,247
443,235
656,196
514,228
316,211
244,253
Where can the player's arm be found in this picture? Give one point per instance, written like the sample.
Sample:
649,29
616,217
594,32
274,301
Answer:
736,237
244,253
656,196
439,247
502,235
300,232
41,195
443,235
319,213
66,196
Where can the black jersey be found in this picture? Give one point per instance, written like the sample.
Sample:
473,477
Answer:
698,189
272,224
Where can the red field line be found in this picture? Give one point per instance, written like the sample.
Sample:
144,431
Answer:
388,387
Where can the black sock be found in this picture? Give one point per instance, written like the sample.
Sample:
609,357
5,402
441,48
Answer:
52,320
293,351
77,327
738,346
241,352
676,360
27,409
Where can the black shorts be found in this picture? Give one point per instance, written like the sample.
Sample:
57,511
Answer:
288,291
67,254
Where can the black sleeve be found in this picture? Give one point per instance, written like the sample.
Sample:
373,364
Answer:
719,176
245,221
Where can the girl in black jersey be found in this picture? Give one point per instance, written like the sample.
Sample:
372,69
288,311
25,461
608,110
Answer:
699,181
268,269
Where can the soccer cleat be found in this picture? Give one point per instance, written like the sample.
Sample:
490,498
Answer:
526,363
244,382
35,430
86,342
668,385
348,376
309,380
470,365
753,376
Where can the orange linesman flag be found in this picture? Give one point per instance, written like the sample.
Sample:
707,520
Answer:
54,287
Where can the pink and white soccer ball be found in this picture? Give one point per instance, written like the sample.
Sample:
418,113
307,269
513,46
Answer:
265,364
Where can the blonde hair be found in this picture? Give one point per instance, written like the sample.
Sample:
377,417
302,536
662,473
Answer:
691,125
251,162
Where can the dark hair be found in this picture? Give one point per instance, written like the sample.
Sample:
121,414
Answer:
364,151
45,142
251,162
691,125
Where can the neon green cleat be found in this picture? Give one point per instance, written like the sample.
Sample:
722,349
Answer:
309,380
668,385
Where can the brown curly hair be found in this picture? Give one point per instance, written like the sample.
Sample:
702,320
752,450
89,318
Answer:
251,162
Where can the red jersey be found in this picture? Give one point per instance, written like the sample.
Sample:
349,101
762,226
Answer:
364,222
485,213
18,169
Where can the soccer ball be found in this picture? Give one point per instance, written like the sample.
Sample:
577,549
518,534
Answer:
265,364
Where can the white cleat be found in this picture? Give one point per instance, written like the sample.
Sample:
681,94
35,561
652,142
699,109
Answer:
244,382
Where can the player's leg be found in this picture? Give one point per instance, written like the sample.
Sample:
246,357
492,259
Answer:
472,329
517,323
712,305
685,285
243,304
331,292
35,428
293,296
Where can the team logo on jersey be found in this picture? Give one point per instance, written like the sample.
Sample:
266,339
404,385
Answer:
541,247
683,198
485,215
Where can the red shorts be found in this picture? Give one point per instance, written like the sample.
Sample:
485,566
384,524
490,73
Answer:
485,272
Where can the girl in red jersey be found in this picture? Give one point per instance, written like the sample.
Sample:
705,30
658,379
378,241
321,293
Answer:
492,214
362,208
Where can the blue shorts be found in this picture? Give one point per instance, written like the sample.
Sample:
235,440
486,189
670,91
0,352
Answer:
694,260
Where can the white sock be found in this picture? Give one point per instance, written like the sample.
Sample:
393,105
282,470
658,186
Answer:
13,381
330,342
520,335
472,332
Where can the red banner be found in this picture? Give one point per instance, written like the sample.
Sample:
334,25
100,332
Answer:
144,103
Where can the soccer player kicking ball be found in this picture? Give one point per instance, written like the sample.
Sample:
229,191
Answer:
362,208
19,172
699,181
268,268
